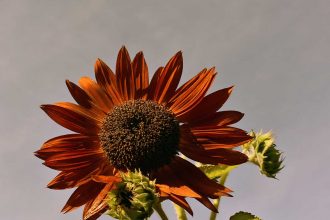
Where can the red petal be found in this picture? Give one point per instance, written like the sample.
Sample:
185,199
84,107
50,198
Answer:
124,75
72,119
222,118
192,149
196,179
98,94
153,84
106,179
74,141
216,156
65,179
225,137
107,79
70,179
95,113
191,93
75,156
169,182
169,79
206,202
79,95
82,195
141,75
95,213
70,152
98,206
179,200
208,106
83,99
72,164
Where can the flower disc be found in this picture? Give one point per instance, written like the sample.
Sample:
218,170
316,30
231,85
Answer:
140,135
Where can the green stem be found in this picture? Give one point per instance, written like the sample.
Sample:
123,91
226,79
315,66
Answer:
160,211
180,212
216,202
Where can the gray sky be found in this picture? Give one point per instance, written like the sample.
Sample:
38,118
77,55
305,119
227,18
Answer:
276,52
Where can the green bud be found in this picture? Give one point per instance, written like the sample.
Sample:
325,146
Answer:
244,216
262,151
133,198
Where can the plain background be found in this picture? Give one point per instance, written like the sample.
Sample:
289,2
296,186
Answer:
276,53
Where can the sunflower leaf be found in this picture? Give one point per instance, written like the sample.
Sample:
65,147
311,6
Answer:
216,171
244,216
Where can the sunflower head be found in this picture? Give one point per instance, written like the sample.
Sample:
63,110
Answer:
262,151
123,121
133,198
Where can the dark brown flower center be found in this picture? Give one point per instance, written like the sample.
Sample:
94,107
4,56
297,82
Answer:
140,135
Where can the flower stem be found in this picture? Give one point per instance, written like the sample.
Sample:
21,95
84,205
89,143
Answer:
160,211
180,212
216,202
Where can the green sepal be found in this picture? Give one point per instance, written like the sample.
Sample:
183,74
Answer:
244,216
216,171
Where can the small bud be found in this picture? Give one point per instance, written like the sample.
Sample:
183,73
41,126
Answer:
262,151
244,216
133,198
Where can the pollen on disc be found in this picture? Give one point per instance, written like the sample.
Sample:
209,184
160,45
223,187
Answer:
140,135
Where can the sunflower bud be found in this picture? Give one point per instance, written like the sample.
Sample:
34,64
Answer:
262,151
133,198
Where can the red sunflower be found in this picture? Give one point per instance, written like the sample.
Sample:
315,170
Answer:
124,122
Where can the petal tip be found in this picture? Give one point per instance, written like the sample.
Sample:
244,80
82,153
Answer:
231,88
37,154
123,49
98,61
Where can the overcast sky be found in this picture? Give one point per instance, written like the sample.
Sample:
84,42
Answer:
275,52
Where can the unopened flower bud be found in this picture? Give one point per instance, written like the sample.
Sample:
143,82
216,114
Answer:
133,198
262,151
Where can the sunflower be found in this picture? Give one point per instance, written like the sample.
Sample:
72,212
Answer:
123,122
